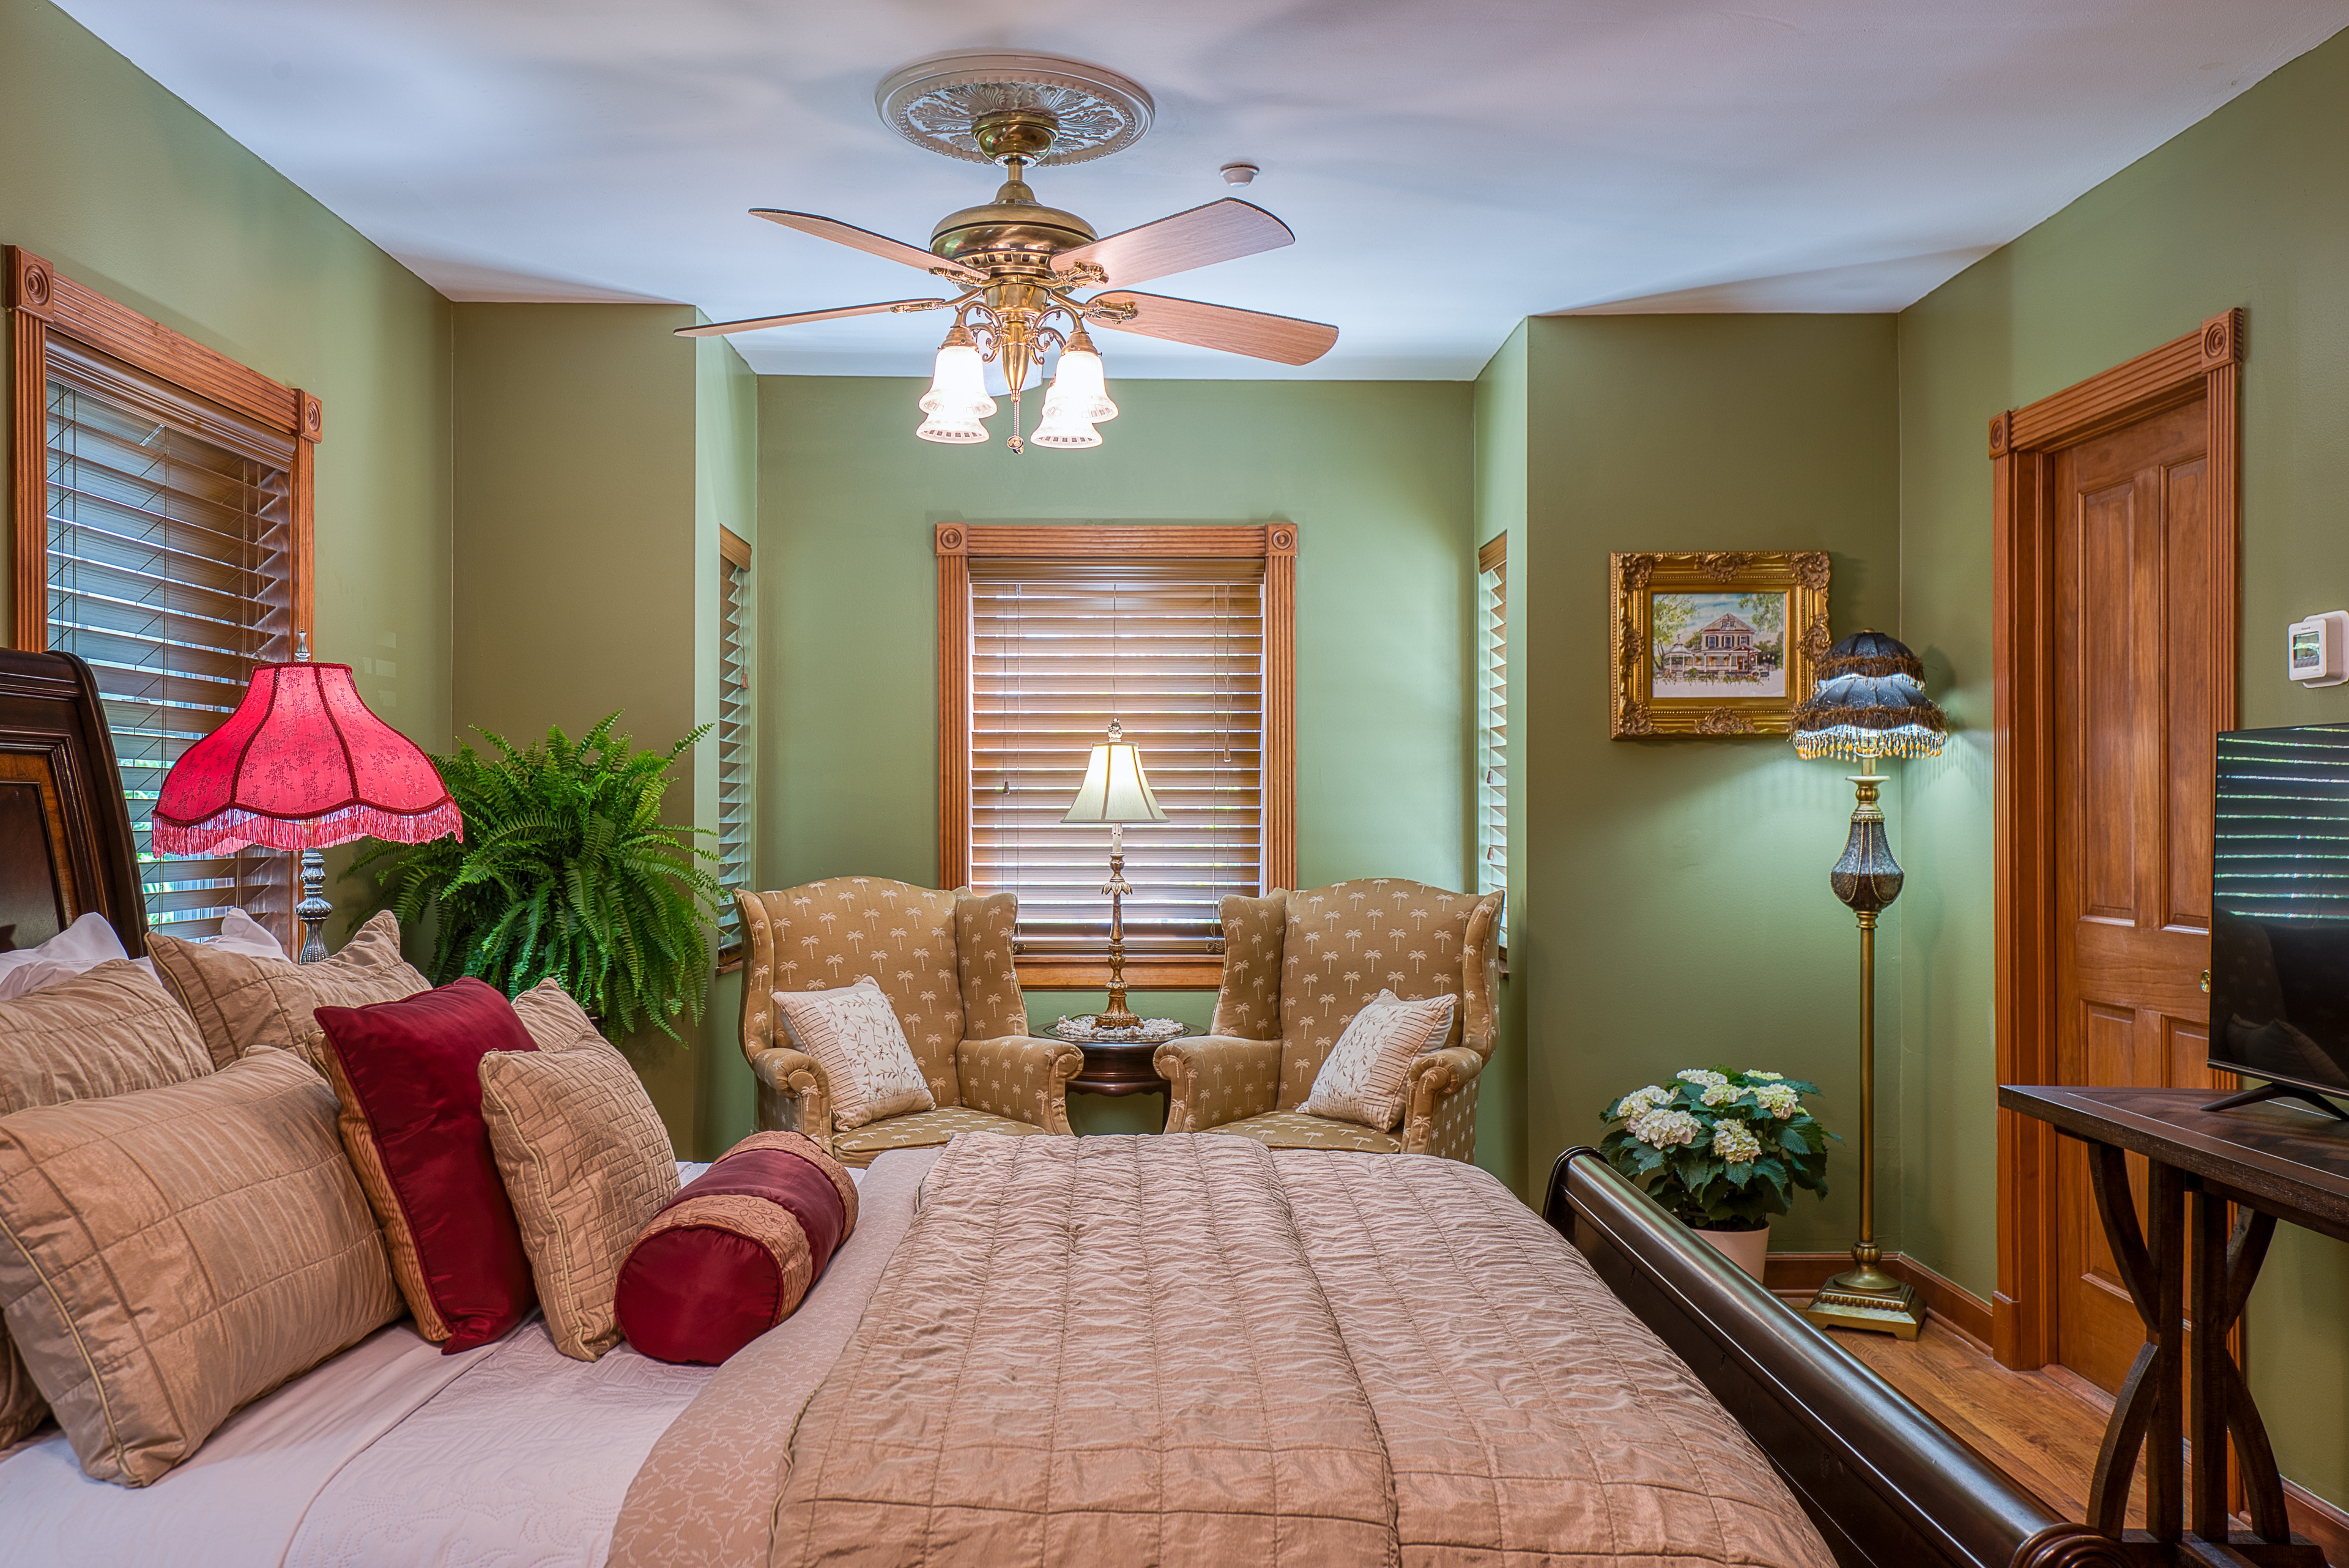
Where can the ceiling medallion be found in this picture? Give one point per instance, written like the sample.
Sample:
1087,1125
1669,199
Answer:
933,103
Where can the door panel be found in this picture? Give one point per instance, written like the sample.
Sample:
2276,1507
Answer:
2134,719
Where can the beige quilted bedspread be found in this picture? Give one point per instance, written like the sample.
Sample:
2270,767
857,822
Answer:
1192,1350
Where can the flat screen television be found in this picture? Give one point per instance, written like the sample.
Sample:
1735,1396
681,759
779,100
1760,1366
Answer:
2280,911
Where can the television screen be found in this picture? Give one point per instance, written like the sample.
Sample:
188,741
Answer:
2280,911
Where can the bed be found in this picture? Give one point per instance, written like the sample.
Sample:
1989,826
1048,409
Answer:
1309,1356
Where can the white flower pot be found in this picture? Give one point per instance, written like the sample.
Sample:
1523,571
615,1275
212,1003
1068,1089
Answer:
1746,1249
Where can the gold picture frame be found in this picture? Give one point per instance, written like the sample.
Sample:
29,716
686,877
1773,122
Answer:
1694,650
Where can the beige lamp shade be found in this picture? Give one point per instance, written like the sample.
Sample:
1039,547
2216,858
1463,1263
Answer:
1115,788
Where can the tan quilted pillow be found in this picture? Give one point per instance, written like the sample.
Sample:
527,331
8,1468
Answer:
854,1036
556,1022
585,1163
107,1031
169,1255
241,1000
1369,1068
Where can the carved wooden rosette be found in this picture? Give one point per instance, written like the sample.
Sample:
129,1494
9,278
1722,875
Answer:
1633,708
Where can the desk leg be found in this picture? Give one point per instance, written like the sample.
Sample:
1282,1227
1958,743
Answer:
2224,1268
2146,1415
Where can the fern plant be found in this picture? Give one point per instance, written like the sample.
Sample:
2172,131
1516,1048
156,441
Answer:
565,868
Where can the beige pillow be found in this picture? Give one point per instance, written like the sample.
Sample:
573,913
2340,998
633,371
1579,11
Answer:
1369,1068
170,1255
241,1000
854,1036
586,1164
107,1031
556,1022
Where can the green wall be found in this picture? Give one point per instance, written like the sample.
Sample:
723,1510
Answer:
1375,475
596,456
1675,909
2247,208
127,191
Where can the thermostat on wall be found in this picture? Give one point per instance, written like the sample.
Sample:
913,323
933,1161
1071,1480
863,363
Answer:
2317,650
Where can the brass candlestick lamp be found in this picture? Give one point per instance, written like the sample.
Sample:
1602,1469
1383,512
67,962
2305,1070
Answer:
1117,792
1870,703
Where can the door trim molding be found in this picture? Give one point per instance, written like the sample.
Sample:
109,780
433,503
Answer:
2205,364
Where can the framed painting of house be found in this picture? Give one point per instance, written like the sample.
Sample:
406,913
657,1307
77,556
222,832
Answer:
1720,642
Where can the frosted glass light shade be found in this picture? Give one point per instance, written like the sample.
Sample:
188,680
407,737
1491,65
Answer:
958,387
1062,425
1078,381
1115,788
953,430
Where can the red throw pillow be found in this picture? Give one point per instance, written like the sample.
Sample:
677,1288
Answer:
408,1073
736,1251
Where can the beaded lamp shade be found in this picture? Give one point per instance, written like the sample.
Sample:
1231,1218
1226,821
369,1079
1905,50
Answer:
301,765
1870,702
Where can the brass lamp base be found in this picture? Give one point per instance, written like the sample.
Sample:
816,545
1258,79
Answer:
1869,1298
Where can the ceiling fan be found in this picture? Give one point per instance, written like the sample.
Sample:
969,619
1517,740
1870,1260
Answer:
1018,267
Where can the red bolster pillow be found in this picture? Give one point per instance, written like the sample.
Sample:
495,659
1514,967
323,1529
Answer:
736,1251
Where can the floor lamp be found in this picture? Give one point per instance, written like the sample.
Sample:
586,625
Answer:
300,765
1870,703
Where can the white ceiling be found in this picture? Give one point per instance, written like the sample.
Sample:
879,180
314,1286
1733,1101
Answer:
1449,166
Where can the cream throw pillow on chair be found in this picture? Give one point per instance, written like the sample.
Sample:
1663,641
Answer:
1369,1068
854,1036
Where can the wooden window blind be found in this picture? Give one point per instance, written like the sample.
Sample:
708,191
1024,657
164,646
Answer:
1174,651
158,498
734,656
1185,635
169,569
1492,803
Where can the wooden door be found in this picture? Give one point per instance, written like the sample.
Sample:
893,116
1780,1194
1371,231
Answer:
2137,676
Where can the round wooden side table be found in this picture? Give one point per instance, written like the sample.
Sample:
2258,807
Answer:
1120,1068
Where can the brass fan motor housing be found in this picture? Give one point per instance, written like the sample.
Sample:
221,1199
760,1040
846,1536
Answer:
1014,230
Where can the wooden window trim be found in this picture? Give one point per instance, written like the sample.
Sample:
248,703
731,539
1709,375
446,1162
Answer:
42,305
956,544
2022,441
733,550
1492,556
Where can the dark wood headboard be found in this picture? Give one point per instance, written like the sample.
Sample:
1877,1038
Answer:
65,833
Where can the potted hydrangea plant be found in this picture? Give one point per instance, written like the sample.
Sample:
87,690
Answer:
1723,1150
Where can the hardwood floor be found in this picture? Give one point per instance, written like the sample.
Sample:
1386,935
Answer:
2042,1433
2042,1428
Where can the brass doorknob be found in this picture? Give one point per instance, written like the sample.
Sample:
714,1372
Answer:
2206,982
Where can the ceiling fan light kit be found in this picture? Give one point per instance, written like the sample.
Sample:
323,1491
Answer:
1017,265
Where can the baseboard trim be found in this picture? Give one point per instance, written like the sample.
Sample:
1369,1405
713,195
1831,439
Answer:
1956,1307
2320,1521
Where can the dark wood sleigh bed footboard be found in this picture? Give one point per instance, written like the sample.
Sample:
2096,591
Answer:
1887,1486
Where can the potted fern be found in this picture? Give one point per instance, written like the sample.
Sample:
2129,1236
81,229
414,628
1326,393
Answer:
565,868
1723,1151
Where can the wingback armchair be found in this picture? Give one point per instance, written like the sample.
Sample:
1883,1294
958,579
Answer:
944,960
1297,967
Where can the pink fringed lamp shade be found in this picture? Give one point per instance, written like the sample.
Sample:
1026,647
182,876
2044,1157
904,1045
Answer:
301,765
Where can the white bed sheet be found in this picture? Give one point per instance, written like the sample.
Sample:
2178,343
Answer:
391,1455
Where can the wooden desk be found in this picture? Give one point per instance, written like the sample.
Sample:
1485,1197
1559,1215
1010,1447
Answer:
2272,1163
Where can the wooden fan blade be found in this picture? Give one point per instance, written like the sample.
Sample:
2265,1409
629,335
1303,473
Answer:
721,328
866,240
1283,339
1220,231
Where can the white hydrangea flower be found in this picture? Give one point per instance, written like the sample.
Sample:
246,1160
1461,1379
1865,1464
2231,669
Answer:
1721,1093
1665,1129
1778,1100
1640,1100
1735,1142
1699,1076
1765,1077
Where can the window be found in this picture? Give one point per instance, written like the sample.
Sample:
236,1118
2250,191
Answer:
1491,805
1181,634
164,523
734,624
